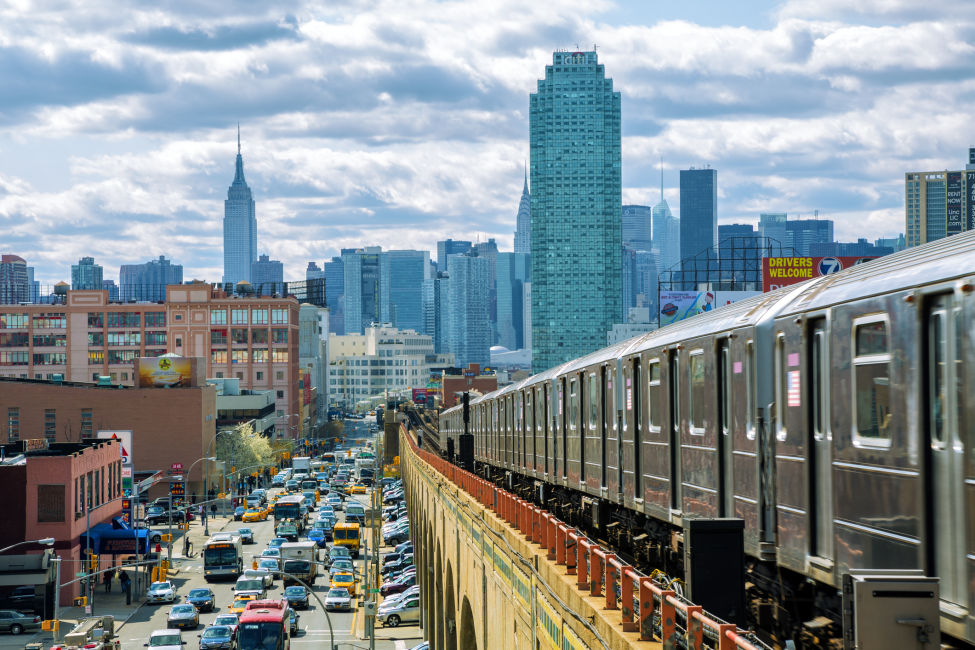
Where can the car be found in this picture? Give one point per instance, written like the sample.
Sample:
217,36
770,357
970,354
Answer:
184,615
161,592
326,510
405,547
239,513
410,570
202,598
246,535
230,620
239,604
250,585
339,552
263,574
158,516
271,565
395,598
166,640
398,565
406,611
276,482
422,646
318,536
344,579
21,597
292,485
287,530
297,596
341,564
338,599
399,584
293,622
271,552
18,622
276,542
334,500
358,488
216,637
254,514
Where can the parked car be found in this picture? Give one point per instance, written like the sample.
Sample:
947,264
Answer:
397,585
161,592
395,598
297,596
216,637
338,599
407,611
16,622
165,640
202,598
181,616
246,535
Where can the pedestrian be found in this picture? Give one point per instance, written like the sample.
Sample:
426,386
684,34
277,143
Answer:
107,579
126,587
213,510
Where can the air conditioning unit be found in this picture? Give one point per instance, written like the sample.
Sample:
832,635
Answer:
890,609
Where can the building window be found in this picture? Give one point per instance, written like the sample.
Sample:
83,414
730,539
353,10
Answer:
279,375
258,317
122,356
279,316
10,321
218,336
259,336
218,316
14,358
96,319
279,356
86,423
219,375
13,424
50,359
49,321
155,319
50,504
96,339
155,338
218,356
280,394
98,487
123,319
240,375
50,425
239,335
79,504
259,376
279,335
238,316
259,355
239,356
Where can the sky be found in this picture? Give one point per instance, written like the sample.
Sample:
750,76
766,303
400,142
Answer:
400,123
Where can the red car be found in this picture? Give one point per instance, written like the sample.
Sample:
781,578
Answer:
399,584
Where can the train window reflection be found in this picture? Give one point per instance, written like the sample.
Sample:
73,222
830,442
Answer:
654,394
872,382
698,391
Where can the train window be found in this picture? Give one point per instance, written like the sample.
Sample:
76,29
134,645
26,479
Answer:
573,404
749,389
530,426
817,372
655,394
871,367
698,393
593,402
781,387
725,389
937,371
635,406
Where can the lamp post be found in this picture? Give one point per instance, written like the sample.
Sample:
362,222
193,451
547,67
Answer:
44,541
206,478
169,546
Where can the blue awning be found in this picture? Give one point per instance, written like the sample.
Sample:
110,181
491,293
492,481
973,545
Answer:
116,538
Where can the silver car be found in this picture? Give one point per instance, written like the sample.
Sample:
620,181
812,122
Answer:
338,599
161,592
407,611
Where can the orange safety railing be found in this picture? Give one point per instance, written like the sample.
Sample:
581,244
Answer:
598,570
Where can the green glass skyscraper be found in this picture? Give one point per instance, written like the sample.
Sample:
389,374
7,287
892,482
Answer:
576,248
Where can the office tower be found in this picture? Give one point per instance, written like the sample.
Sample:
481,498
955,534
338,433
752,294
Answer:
335,294
86,274
666,236
489,251
147,282
436,310
513,271
15,285
575,204
402,274
239,227
860,248
639,279
698,214
526,306
939,204
362,291
267,276
35,285
895,244
523,232
636,230
772,226
313,272
801,234
112,289
469,328
450,247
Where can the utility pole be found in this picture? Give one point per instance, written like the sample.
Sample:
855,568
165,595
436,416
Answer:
57,598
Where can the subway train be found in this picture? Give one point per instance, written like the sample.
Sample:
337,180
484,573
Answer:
835,417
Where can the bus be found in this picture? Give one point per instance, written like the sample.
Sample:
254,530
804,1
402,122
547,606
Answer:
264,625
346,535
291,507
222,556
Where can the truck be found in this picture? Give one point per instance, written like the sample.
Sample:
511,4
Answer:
301,464
347,535
94,633
300,559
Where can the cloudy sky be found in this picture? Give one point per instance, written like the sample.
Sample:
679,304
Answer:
401,122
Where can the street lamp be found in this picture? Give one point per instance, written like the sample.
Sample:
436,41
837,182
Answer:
206,478
46,541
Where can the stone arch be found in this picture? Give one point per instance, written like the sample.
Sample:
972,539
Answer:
467,637
438,595
450,611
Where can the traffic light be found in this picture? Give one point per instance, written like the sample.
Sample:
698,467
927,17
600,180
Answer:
93,563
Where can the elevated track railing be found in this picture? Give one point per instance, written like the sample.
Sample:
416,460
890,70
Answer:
646,604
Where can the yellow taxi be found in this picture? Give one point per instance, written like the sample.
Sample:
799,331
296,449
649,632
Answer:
358,489
239,604
345,580
255,514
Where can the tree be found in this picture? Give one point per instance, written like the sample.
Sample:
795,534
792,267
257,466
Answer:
242,447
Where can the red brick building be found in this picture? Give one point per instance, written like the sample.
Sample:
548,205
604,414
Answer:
468,379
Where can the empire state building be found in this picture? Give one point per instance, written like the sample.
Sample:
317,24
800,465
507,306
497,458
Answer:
239,227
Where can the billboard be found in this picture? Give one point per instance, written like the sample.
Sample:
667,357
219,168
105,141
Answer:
970,182
678,305
166,372
953,201
778,272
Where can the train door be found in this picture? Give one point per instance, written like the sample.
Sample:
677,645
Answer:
945,444
819,442
563,426
673,390
605,399
726,501
545,424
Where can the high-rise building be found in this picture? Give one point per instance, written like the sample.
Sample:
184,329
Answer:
523,231
636,227
513,271
469,328
267,276
436,310
335,294
86,275
239,227
639,279
112,289
803,233
362,290
402,274
666,236
939,204
450,247
313,272
860,248
698,213
576,201
15,284
489,251
147,282
772,225
895,244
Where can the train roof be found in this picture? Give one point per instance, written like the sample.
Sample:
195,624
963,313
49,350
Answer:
939,261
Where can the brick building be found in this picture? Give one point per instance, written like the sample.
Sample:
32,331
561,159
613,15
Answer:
457,381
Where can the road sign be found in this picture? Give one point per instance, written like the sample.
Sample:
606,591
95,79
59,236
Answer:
80,574
176,467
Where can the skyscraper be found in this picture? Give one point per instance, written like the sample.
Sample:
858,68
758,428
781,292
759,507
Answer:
513,271
666,236
450,247
698,212
239,227
771,225
362,291
803,233
86,274
636,227
576,200
147,282
469,329
335,294
14,281
112,289
523,231
402,274
939,204
267,276
313,272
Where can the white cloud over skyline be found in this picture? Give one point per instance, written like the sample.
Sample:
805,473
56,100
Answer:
401,123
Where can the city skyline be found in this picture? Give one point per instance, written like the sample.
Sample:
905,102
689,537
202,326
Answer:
122,133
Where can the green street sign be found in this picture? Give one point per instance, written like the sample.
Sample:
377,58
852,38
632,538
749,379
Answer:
373,591
80,574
